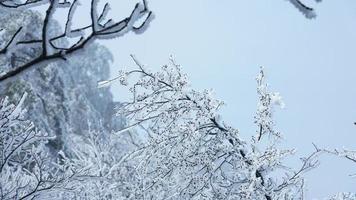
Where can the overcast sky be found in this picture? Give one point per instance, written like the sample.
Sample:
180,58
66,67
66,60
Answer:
221,45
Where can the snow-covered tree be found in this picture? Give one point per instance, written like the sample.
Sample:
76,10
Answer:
90,170
188,152
25,168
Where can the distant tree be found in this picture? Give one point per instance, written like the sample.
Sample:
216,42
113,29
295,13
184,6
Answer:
48,40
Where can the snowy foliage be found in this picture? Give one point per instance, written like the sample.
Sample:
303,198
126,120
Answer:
190,153
266,102
24,169
90,170
101,174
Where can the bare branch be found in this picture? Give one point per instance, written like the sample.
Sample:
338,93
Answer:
306,10
4,50
49,13
71,11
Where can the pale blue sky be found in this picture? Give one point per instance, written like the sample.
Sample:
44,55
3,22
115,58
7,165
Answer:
312,63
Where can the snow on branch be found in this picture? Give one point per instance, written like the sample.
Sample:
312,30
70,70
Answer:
99,28
189,152
267,101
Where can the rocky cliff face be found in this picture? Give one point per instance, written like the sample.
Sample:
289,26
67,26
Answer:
63,96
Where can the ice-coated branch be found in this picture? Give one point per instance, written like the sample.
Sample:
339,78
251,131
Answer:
190,152
348,154
99,30
265,108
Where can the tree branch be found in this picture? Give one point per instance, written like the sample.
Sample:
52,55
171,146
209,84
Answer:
27,4
4,50
98,32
